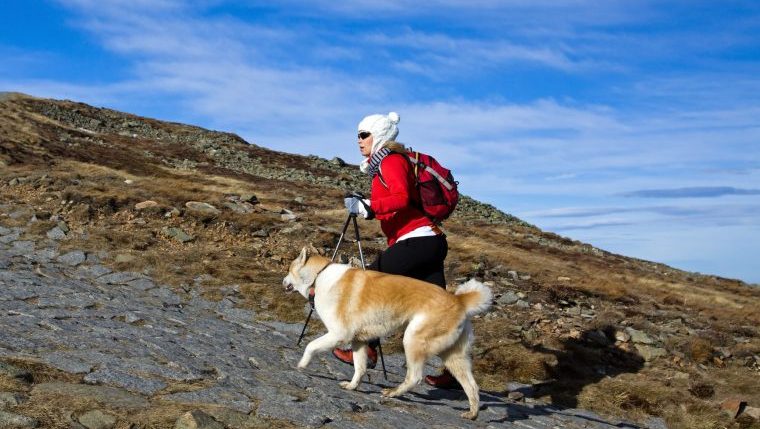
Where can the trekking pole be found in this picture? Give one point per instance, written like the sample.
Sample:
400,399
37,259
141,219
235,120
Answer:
351,216
364,267
335,252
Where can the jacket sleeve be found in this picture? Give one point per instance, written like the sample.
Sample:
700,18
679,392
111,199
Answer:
396,173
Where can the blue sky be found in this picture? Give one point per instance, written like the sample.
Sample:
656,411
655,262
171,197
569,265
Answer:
630,125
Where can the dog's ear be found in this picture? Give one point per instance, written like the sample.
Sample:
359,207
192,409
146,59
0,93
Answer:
303,256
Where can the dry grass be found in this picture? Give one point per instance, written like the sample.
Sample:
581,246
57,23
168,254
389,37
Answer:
99,208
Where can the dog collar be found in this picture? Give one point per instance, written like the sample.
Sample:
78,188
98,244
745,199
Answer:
313,287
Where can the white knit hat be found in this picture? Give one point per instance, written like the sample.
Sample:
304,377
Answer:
383,128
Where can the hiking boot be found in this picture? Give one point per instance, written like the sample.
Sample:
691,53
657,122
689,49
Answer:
443,381
347,356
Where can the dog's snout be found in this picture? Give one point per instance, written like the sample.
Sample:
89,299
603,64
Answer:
287,283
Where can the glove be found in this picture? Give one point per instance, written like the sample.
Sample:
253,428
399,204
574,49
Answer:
356,204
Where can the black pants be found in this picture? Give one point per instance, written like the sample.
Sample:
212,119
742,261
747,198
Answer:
419,257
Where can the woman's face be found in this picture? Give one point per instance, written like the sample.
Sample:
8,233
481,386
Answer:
365,144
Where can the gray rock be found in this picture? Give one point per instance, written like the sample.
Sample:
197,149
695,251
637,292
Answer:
133,383
216,396
10,420
56,234
119,278
93,271
655,423
260,233
9,399
63,227
177,234
10,237
4,230
249,198
197,419
202,208
15,372
288,215
337,161
622,336
142,284
650,353
72,258
97,419
508,298
65,362
522,304
639,337
242,208
21,248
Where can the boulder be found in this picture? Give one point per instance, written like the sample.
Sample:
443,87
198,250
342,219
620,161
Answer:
9,399
16,421
639,337
202,209
177,234
56,234
197,419
146,205
73,258
650,353
733,407
508,298
97,419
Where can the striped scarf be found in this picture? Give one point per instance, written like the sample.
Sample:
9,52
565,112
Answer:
375,159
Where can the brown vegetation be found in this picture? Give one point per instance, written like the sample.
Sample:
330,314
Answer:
708,325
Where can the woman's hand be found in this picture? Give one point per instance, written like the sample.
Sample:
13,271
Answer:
356,204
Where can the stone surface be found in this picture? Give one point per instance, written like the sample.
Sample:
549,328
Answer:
73,258
197,419
202,208
132,339
56,234
146,205
13,421
9,399
97,419
14,372
508,298
650,353
639,337
111,395
178,234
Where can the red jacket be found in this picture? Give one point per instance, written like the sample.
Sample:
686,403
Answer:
395,202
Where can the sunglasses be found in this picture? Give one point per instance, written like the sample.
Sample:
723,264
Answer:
364,134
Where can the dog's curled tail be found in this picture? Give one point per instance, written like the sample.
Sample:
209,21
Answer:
475,296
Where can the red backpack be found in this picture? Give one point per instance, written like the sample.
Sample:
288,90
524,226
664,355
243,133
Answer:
438,189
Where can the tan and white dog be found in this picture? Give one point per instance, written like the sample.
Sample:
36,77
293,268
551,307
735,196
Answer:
357,306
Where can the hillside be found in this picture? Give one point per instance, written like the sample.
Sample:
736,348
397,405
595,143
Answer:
577,326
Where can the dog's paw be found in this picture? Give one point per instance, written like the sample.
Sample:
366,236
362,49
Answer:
347,385
469,415
389,393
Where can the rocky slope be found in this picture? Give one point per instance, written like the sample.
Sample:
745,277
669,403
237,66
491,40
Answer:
140,264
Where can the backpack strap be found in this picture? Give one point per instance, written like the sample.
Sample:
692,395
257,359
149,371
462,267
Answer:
380,170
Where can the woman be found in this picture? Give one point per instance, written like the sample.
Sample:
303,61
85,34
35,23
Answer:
417,247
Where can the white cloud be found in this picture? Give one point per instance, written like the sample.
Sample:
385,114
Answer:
278,86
